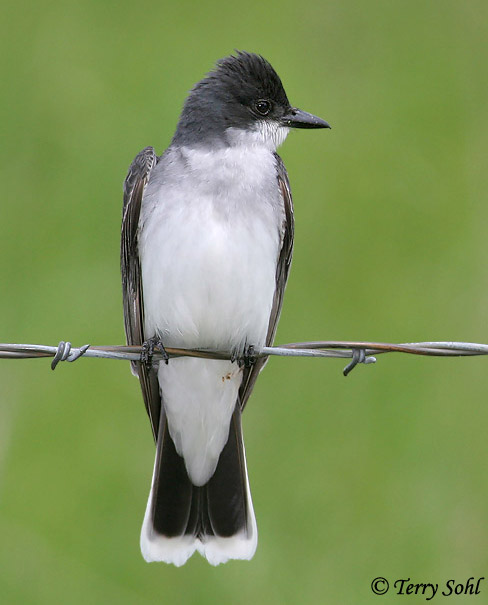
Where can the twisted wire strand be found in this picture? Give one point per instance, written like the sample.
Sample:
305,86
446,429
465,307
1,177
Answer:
358,351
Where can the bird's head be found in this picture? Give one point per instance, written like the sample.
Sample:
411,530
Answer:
241,101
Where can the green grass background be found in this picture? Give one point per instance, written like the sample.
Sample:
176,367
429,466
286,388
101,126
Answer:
380,474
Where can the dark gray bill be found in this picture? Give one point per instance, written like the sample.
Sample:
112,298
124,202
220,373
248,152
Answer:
296,118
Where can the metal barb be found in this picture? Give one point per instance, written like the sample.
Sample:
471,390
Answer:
77,353
358,356
65,353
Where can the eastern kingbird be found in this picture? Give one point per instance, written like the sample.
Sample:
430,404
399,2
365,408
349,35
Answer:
207,238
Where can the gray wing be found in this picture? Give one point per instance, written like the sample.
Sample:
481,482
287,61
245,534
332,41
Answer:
134,185
282,270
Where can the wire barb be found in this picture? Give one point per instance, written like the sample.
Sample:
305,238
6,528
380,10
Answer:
66,353
358,356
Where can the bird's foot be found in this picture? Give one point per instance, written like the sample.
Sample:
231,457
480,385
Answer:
148,348
248,358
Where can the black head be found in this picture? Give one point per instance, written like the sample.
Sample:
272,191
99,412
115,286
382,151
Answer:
242,93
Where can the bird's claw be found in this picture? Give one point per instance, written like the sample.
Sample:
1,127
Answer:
248,359
148,348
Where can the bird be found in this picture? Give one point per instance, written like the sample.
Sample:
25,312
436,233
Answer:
206,247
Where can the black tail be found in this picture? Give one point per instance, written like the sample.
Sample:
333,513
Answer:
217,519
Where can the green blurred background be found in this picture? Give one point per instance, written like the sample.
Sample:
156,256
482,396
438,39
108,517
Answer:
379,474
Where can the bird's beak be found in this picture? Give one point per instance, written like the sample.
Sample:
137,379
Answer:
296,118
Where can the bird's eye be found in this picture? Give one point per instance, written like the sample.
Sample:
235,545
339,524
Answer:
263,107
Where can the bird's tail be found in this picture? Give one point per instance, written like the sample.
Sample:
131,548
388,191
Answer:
217,519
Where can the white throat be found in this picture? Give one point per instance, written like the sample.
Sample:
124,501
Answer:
266,133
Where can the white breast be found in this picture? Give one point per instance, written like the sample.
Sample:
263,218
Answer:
209,245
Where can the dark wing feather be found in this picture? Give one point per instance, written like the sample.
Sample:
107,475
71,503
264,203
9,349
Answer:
134,186
282,270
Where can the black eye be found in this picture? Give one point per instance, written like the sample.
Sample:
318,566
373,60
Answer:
263,107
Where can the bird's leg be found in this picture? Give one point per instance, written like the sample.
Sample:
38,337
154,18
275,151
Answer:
249,357
148,347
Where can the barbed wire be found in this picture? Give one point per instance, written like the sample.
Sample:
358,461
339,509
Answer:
360,352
